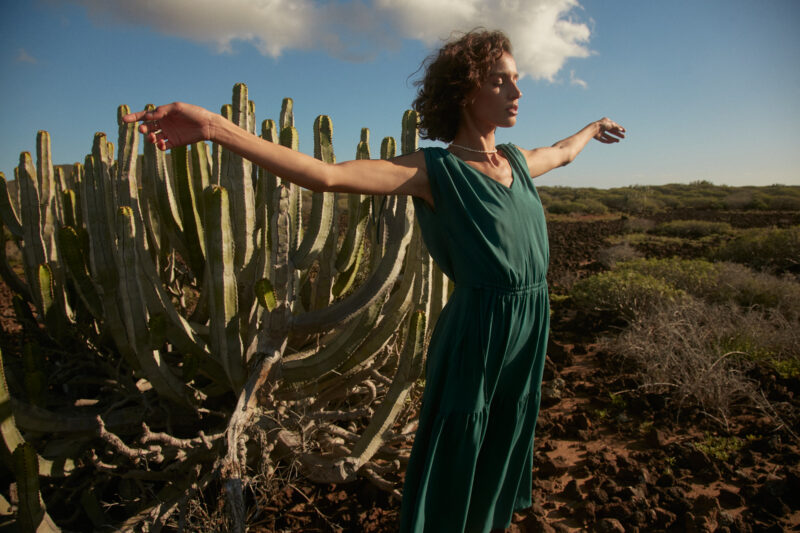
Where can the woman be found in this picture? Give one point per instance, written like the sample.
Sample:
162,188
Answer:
484,225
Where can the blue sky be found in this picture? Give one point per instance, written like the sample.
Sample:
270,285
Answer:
707,90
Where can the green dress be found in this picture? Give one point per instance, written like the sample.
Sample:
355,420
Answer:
470,466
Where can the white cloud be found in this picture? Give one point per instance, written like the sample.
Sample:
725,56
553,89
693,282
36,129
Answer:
24,57
574,80
543,32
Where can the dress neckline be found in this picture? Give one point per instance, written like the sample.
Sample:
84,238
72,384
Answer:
500,148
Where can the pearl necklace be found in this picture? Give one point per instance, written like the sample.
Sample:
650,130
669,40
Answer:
474,150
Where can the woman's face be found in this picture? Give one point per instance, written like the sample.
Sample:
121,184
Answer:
496,101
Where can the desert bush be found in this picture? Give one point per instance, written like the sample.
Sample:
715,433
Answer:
722,283
544,197
634,201
689,350
691,229
624,293
764,248
783,203
587,206
738,200
638,225
623,251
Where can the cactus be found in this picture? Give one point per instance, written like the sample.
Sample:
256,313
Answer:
31,514
204,281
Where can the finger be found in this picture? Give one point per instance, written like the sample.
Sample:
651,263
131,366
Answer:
152,126
135,117
148,115
607,139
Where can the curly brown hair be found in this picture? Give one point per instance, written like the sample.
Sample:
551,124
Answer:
451,74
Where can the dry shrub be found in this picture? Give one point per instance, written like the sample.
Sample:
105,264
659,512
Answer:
697,352
638,225
738,200
691,229
617,253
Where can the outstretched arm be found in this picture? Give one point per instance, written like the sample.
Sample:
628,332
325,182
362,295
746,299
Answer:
180,124
541,160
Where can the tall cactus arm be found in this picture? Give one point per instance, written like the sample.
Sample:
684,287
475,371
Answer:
8,214
379,282
69,202
8,275
127,158
268,180
156,369
12,437
47,195
70,246
178,330
290,139
33,252
327,359
237,180
375,435
322,203
287,114
31,513
357,213
96,197
380,334
273,334
223,304
192,222
201,168
409,142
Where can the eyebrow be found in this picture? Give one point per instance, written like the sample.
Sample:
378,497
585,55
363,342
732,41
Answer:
510,74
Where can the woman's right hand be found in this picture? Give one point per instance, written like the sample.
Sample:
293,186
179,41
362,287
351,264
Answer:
175,124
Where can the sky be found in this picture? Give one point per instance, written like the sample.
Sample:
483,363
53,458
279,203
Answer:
707,90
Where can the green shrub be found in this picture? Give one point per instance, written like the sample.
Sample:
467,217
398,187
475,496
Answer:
783,203
719,448
634,201
764,248
585,207
622,292
738,200
694,276
691,229
722,282
560,207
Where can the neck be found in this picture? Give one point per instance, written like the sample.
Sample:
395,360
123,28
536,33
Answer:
475,143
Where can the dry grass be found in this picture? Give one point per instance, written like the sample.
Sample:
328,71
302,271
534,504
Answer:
699,352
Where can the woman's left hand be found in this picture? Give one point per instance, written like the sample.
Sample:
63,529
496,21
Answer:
176,124
610,131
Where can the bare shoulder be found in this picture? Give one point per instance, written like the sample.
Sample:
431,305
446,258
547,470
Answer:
414,167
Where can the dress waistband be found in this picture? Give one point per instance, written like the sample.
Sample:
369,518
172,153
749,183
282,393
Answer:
532,287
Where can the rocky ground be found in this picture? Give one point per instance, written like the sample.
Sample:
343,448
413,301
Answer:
607,458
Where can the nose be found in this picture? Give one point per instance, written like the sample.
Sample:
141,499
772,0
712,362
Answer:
515,91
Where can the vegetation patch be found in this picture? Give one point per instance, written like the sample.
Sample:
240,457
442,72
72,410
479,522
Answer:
624,293
764,248
722,282
719,447
698,353
691,229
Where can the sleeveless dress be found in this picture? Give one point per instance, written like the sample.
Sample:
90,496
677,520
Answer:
471,462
